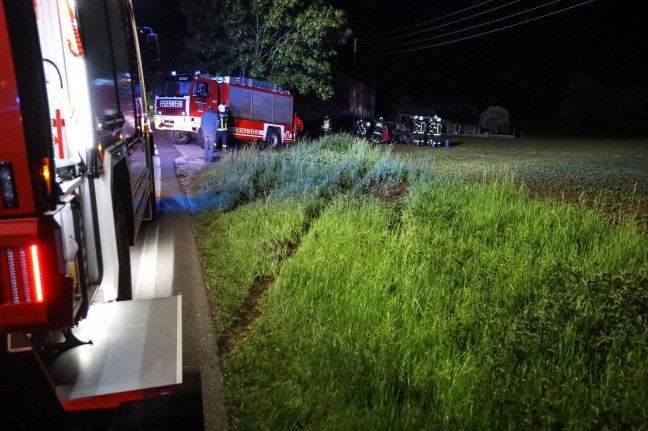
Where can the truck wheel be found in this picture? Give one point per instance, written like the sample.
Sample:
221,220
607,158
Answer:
180,138
200,139
125,288
273,139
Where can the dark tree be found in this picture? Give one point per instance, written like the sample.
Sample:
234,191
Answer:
288,42
495,119
583,97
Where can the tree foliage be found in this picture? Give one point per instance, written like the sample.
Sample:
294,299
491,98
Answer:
495,119
582,97
288,42
589,106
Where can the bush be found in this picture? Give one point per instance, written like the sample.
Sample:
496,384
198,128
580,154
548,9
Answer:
495,119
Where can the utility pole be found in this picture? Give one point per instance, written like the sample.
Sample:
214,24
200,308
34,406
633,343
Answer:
355,82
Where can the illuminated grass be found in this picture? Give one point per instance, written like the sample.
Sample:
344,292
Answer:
461,306
321,168
605,175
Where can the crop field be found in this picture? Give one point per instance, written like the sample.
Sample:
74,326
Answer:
489,285
608,176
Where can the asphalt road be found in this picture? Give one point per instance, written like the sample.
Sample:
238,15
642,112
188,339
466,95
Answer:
165,262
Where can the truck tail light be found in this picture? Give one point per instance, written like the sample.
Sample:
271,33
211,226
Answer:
35,292
35,266
22,274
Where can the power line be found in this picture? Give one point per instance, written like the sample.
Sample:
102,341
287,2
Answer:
487,32
471,27
426,22
446,24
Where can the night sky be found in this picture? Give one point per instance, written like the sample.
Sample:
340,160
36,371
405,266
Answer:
522,68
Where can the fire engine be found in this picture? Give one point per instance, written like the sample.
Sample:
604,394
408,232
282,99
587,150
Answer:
259,111
77,180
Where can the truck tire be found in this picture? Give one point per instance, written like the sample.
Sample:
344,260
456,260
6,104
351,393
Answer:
200,139
179,137
125,288
273,139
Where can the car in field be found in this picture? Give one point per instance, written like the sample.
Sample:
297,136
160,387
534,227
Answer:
400,133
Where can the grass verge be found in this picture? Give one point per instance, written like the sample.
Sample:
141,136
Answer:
458,305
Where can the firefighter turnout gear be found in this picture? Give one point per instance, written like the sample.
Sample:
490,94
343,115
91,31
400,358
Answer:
419,130
377,133
429,132
436,132
362,128
221,132
326,125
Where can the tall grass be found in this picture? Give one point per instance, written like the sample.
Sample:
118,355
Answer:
238,248
319,168
465,306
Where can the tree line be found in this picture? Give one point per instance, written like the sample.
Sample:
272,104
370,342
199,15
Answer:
590,106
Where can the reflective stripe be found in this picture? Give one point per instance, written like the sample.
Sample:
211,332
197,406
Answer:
222,122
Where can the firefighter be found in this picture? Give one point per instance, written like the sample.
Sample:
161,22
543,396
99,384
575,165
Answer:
208,124
429,133
363,128
326,125
438,124
419,130
377,133
415,130
221,131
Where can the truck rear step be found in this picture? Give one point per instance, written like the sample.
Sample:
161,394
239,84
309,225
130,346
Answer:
136,352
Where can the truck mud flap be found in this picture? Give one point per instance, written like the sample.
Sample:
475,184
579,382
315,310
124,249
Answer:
136,353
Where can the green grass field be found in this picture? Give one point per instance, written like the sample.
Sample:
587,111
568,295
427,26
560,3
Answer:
608,176
357,287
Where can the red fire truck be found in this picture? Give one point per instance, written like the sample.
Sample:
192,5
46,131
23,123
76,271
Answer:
77,181
260,111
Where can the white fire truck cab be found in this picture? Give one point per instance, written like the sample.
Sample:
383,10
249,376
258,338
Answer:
76,176
259,111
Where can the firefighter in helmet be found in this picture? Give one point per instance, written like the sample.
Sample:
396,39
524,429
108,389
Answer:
362,128
326,125
221,131
419,130
417,139
438,125
429,132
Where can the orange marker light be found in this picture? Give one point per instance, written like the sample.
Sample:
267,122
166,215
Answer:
45,174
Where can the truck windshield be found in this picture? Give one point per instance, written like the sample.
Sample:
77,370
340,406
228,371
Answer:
173,88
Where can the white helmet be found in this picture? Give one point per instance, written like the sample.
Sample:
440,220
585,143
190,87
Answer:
416,117
221,107
368,124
